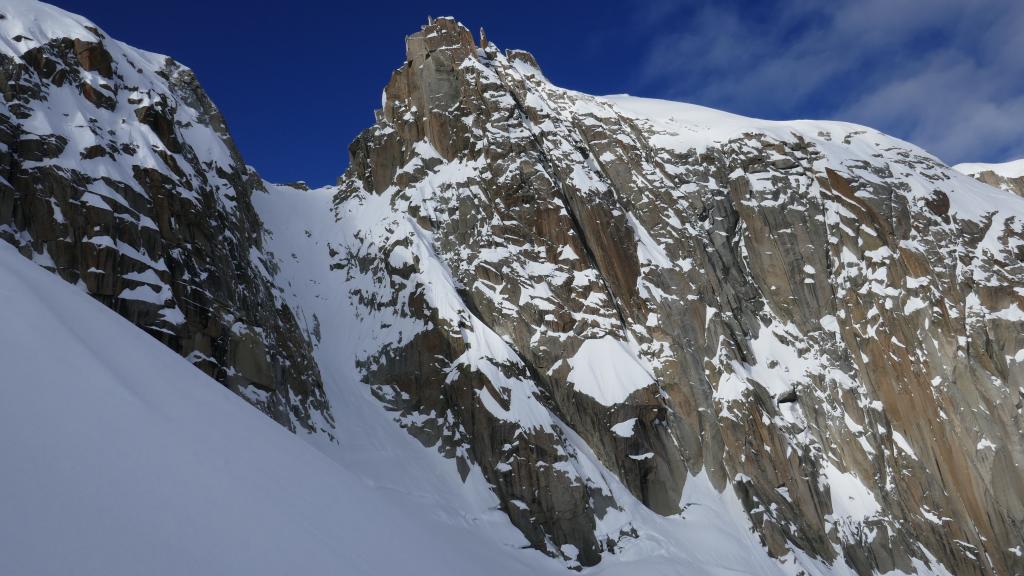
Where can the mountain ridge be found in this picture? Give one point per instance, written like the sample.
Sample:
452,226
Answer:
607,312
1006,175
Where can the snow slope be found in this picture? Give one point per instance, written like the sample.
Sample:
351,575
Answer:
121,458
1012,169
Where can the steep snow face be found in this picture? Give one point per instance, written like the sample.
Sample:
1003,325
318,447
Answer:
121,458
351,317
119,175
819,319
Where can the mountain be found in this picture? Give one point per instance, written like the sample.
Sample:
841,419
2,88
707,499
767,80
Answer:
650,336
823,319
120,176
1008,175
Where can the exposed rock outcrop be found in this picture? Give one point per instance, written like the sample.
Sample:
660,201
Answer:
119,175
823,319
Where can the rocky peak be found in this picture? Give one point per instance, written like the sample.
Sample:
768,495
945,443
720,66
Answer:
427,83
446,35
121,177
679,295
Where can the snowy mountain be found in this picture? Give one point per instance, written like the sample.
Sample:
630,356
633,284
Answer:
120,176
536,329
1008,175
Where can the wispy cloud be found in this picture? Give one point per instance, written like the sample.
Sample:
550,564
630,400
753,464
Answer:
945,74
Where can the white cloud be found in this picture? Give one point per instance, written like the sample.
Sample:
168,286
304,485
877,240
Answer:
946,74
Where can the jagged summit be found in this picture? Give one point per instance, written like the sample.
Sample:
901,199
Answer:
427,82
683,293
450,35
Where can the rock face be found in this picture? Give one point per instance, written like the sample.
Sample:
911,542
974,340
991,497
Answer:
119,175
825,320
1011,184
597,304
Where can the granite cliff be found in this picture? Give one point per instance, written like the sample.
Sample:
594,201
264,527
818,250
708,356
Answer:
821,318
611,311
119,175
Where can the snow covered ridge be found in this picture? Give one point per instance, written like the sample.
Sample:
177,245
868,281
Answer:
28,24
687,127
121,177
1012,169
1009,175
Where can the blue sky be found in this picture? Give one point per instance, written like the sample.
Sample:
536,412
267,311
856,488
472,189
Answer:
297,81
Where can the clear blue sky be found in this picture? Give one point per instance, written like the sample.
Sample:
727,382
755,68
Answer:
298,80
